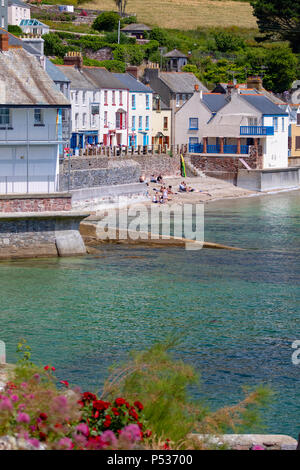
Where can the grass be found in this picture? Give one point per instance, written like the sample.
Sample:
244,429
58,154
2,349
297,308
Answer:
185,14
70,27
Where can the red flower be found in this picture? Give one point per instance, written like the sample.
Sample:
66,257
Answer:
140,425
100,405
138,405
107,421
43,416
120,401
115,411
148,433
46,367
58,425
96,415
43,436
133,413
64,382
88,396
53,368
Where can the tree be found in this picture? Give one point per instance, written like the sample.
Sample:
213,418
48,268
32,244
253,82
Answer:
281,69
121,4
228,42
279,19
107,21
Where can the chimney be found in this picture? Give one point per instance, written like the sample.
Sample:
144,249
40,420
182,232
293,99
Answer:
230,88
132,70
36,42
73,58
254,82
4,42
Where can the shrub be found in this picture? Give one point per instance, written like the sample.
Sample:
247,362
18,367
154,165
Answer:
132,54
227,42
53,45
106,21
14,29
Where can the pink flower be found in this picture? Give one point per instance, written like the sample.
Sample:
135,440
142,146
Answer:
65,443
24,385
83,428
23,418
5,404
108,438
34,442
14,398
131,433
257,448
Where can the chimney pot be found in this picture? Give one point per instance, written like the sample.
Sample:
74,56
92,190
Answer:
196,87
4,42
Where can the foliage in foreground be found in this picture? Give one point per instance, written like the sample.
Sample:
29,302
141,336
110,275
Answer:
42,412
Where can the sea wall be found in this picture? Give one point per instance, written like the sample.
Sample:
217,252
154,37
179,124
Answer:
94,171
31,235
267,180
35,203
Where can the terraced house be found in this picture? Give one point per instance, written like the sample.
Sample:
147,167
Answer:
99,105
30,123
139,110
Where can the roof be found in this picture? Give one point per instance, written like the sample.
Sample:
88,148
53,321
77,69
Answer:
175,53
136,27
32,22
132,84
15,41
54,72
102,78
77,78
214,101
24,81
263,104
181,82
18,3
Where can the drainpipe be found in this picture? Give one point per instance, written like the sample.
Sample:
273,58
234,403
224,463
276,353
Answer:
27,160
127,118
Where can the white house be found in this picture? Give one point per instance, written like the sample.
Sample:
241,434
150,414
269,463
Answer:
30,123
140,110
17,11
99,105
234,123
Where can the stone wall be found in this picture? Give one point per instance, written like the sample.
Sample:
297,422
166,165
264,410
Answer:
35,203
94,171
38,235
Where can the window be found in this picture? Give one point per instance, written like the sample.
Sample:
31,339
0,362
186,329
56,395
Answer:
140,122
105,98
193,140
113,97
147,102
95,109
298,143
94,95
76,120
93,120
105,119
4,117
165,122
121,98
177,100
133,101
183,97
83,97
2,22
252,121
84,120
298,119
2,3
76,97
282,124
118,123
38,117
133,123
194,123
275,123
147,123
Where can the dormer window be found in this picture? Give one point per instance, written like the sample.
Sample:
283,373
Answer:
4,117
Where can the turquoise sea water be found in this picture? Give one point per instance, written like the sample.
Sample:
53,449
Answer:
237,312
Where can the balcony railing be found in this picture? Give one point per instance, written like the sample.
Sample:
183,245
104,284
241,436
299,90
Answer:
256,130
216,149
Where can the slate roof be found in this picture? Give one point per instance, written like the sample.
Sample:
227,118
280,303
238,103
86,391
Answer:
18,3
214,101
263,104
175,53
132,84
77,78
55,73
181,82
15,41
24,82
136,27
102,78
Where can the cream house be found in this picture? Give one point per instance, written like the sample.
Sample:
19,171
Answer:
161,122
17,11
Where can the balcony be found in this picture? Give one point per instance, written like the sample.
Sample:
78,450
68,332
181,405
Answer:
216,149
256,130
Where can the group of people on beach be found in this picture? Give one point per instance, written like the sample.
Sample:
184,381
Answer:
161,196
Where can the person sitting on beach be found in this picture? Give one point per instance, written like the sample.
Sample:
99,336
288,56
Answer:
170,190
182,187
159,179
152,179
